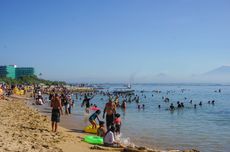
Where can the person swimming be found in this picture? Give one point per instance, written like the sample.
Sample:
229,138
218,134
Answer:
172,107
166,100
178,104
143,106
194,106
139,107
190,102
213,102
200,104
159,106
209,102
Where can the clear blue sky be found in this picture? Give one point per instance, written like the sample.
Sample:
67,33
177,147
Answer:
115,40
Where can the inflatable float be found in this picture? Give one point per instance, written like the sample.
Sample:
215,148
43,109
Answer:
94,140
89,129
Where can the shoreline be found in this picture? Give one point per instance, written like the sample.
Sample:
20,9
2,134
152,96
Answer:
34,125
24,128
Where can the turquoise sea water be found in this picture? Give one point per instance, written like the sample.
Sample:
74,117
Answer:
205,128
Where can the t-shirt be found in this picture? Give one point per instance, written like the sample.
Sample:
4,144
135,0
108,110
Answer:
109,138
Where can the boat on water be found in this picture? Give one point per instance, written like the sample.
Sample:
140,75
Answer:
124,91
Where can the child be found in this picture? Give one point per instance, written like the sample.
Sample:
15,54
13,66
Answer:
117,123
109,139
101,130
93,117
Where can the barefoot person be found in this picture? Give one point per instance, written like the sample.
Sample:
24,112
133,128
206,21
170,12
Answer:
110,110
56,110
93,117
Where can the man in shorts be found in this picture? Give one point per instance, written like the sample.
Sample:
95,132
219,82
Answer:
110,110
56,111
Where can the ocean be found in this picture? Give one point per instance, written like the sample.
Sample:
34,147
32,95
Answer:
206,128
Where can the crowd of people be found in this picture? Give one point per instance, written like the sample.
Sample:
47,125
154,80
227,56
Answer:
9,89
62,104
107,121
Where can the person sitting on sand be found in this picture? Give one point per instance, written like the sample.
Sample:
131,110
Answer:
117,123
56,110
92,118
109,139
101,131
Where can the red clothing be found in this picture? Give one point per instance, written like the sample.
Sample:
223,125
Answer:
117,121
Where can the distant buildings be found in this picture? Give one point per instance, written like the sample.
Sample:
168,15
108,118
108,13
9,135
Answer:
12,71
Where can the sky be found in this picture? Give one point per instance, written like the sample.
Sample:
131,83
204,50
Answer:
116,40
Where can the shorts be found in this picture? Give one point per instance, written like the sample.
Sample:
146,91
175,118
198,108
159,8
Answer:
109,120
55,117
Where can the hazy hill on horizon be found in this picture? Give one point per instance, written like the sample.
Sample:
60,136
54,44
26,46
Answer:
218,75
223,70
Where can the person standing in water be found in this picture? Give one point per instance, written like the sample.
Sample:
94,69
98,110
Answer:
56,111
110,110
86,103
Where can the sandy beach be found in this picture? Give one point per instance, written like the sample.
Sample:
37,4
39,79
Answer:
25,129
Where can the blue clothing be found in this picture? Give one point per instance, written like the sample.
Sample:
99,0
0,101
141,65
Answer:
93,116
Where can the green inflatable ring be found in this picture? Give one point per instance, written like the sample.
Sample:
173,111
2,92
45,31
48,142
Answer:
94,140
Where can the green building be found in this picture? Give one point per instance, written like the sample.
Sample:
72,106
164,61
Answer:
8,71
12,71
24,71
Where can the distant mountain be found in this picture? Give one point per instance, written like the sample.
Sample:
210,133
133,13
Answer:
161,75
221,71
